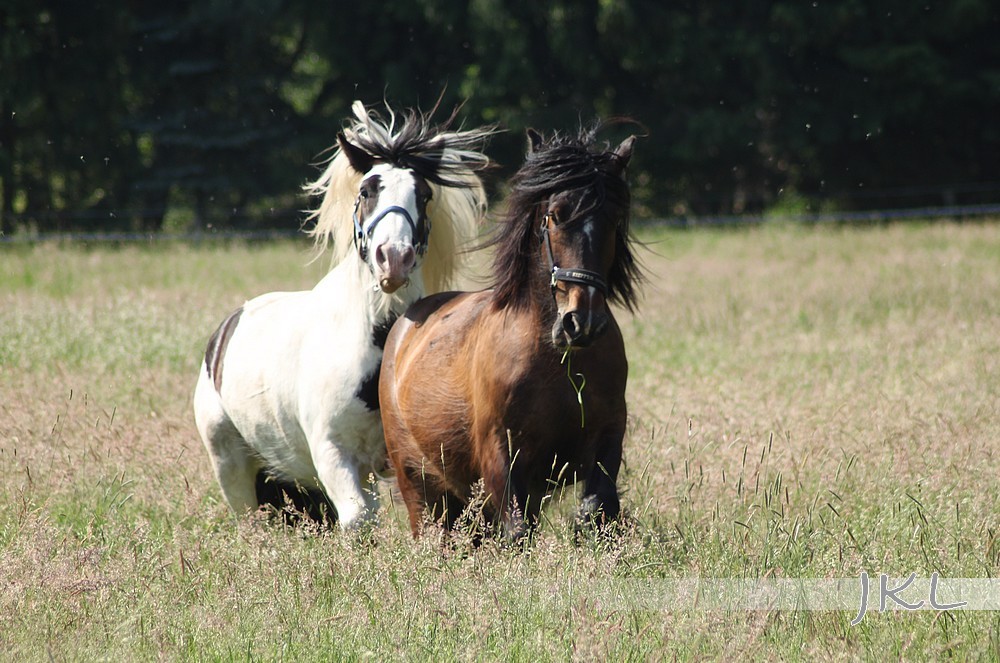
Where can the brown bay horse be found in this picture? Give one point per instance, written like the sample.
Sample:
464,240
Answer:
523,385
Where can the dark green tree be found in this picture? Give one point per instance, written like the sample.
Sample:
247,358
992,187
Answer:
224,140
114,114
64,156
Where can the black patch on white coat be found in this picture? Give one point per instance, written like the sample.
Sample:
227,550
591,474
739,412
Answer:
368,389
217,344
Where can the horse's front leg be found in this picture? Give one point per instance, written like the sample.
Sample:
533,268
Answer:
600,504
507,492
355,499
422,496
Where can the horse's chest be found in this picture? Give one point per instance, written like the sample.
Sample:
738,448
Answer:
340,394
558,419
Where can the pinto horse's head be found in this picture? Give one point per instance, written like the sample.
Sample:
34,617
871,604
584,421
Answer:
375,191
582,231
391,229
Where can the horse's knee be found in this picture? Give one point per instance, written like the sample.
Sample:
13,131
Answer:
417,495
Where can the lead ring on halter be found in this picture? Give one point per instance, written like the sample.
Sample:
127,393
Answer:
363,236
576,275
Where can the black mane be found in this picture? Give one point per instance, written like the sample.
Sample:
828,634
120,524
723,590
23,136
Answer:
563,163
434,151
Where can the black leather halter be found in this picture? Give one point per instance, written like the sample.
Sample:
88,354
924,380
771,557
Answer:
576,275
363,234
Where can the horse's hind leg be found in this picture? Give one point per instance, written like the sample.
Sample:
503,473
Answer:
293,501
234,463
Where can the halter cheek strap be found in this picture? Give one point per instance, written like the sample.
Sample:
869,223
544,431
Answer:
576,275
363,234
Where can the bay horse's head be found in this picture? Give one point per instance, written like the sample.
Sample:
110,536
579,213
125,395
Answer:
568,213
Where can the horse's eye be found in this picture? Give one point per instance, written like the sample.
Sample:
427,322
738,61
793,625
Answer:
364,193
553,218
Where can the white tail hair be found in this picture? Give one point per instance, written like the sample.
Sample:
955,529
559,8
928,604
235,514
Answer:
449,160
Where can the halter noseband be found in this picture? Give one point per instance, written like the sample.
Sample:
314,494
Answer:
363,235
576,275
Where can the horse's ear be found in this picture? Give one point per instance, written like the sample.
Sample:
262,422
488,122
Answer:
623,153
535,141
360,160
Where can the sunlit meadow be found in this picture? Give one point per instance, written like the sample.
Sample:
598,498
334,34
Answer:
804,403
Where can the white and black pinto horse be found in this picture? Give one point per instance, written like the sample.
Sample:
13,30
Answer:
287,398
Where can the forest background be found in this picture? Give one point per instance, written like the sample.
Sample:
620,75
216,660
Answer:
131,116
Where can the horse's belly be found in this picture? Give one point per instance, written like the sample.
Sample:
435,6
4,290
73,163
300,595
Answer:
281,433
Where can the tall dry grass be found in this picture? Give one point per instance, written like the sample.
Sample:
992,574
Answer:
804,403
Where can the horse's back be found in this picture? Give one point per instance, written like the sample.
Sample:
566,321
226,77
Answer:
442,317
225,360
265,337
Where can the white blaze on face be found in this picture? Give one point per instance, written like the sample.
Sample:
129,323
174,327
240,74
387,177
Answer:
392,255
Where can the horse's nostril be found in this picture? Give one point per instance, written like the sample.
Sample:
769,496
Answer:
572,326
409,257
390,258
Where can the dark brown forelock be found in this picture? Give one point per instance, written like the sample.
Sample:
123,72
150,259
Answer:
563,164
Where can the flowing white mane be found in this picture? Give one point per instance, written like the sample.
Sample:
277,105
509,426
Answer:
449,160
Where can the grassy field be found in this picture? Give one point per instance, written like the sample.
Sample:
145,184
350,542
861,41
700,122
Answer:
804,403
